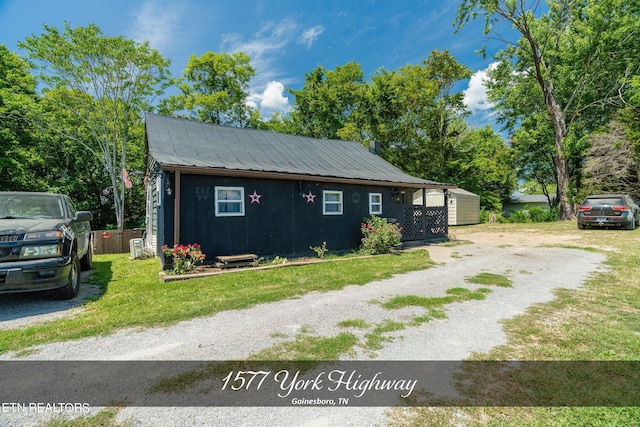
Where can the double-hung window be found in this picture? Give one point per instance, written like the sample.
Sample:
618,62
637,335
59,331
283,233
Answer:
229,201
375,203
331,202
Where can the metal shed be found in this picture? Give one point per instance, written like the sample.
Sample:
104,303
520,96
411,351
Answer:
464,206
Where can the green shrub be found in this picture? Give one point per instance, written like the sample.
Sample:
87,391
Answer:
534,214
379,236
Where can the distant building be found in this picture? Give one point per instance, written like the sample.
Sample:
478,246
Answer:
518,202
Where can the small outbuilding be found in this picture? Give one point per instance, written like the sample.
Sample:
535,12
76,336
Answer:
463,206
238,191
522,202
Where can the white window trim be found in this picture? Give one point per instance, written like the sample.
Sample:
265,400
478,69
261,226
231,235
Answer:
325,202
241,201
378,205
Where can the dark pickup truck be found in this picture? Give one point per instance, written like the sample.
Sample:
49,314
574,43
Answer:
44,243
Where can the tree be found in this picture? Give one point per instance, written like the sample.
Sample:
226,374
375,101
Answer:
484,167
214,88
574,61
417,117
104,84
612,165
329,100
19,157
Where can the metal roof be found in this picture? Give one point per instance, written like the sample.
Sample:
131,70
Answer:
198,147
530,198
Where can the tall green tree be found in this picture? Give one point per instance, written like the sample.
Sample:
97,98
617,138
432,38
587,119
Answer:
19,102
104,85
415,116
214,88
328,101
484,166
418,118
572,61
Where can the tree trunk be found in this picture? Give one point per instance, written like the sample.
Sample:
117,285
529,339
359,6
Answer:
562,169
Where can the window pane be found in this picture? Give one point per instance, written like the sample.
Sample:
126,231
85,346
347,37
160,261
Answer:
229,207
229,194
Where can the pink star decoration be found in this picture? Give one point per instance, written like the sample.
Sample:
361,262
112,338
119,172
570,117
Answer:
255,197
309,197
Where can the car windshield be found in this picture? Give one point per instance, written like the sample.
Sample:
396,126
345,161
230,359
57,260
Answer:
616,201
30,206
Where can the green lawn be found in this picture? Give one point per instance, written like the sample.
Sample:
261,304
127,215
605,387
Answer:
133,295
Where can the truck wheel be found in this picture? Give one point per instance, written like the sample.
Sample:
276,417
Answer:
72,287
86,263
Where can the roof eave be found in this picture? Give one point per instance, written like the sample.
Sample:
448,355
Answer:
197,170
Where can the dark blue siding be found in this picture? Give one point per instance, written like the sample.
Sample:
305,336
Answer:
282,224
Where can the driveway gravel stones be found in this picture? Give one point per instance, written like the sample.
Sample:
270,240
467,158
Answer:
470,326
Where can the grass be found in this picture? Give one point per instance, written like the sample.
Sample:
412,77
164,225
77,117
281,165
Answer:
104,418
490,279
354,323
600,321
454,295
133,296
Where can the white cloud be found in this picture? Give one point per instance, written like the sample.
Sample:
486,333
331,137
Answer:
156,22
272,99
267,86
268,41
310,36
475,96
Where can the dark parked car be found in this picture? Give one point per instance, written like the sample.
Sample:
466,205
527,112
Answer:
44,243
609,210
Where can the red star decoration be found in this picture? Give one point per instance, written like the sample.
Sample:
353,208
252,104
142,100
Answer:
309,197
255,197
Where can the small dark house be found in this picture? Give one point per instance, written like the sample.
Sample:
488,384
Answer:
236,191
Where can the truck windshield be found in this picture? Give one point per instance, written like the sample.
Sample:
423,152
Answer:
31,206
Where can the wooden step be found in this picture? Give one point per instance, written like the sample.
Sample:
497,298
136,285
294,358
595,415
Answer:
230,261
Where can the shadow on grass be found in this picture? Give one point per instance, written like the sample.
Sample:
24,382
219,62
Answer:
23,305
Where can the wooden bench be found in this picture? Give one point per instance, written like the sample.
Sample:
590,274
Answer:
231,261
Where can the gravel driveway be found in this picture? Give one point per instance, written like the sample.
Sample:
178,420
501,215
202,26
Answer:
471,326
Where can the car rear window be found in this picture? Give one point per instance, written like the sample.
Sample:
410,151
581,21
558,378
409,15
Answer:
604,201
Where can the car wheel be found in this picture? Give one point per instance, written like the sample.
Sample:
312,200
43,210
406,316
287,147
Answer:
632,224
580,226
72,287
86,263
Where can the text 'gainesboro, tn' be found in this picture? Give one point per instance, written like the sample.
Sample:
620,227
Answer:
331,381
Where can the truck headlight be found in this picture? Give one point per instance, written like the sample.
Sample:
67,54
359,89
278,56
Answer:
43,235
40,251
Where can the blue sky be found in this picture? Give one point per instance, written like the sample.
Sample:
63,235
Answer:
284,38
